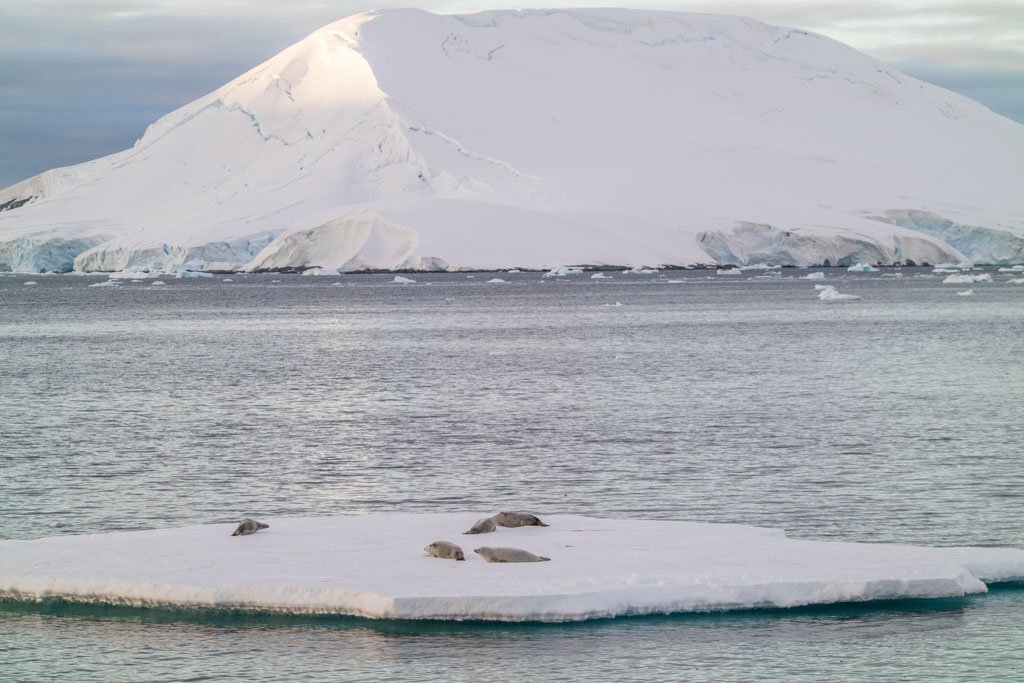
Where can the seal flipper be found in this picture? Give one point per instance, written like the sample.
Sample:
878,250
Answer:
261,525
238,530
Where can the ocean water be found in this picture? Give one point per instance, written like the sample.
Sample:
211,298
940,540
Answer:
898,418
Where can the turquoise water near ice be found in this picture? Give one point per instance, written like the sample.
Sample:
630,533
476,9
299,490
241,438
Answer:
899,418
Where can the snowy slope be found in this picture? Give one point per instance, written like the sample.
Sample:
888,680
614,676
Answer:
405,139
375,566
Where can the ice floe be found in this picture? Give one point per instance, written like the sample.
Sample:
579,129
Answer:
497,281
830,294
966,292
374,566
192,274
106,283
30,283
814,276
399,280
967,279
600,276
729,271
1016,281
640,270
861,268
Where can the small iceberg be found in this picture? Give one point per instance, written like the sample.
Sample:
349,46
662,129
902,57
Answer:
640,270
30,283
106,283
814,276
1016,281
861,268
614,305
497,281
399,280
186,274
157,282
374,566
759,266
227,279
967,279
1012,269
319,271
966,292
600,276
831,294
729,271
563,271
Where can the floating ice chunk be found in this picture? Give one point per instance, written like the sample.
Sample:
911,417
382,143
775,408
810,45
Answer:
227,279
563,271
471,277
822,288
814,276
1016,281
614,305
133,274
186,274
31,283
640,270
274,282
599,568
962,265
831,294
399,280
729,271
157,282
496,281
105,283
759,266
891,275
966,292
600,276
944,271
967,279
319,271
514,270
861,268
1012,269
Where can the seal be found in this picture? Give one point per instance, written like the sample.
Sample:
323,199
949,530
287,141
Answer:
515,519
484,526
445,550
509,555
248,526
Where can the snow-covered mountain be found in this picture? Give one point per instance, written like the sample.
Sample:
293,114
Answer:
405,139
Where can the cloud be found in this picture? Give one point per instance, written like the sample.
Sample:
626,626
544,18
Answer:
83,78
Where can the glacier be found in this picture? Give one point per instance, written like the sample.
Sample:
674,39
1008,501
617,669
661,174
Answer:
374,566
541,139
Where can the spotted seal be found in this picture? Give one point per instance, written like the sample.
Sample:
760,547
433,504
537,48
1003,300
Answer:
508,555
516,519
445,550
248,526
484,526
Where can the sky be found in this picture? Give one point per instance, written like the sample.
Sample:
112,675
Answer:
80,79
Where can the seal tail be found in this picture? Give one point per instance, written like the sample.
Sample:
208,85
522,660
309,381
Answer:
545,559
540,523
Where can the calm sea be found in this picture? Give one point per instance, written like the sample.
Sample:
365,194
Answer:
682,395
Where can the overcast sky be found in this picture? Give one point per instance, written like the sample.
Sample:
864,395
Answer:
83,78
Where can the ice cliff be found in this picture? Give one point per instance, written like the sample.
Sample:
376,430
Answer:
405,139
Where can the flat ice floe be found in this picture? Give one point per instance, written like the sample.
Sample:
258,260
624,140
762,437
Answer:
375,566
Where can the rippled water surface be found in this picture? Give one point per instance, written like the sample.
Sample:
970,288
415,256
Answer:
899,418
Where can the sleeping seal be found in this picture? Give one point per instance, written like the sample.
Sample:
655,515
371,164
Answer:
514,519
445,550
248,526
482,527
508,555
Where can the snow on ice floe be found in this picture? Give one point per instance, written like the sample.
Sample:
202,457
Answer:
968,279
374,566
862,268
831,294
